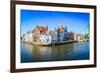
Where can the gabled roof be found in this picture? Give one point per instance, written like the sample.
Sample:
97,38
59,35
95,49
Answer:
42,28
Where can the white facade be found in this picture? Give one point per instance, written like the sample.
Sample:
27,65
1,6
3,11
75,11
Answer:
27,37
30,37
44,38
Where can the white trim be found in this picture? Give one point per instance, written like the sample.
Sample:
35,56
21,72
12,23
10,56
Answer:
52,64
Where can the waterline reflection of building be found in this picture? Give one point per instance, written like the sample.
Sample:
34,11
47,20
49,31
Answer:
70,51
50,53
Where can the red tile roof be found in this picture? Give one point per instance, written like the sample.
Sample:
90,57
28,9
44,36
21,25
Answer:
42,29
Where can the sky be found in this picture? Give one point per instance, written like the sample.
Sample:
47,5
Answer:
74,21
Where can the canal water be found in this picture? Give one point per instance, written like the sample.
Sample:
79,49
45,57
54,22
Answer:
63,52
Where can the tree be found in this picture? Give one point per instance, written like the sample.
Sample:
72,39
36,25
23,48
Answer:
88,32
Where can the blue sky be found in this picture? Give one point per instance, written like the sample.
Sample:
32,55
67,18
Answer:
74,21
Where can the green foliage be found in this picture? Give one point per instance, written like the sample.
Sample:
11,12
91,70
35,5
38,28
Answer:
86,36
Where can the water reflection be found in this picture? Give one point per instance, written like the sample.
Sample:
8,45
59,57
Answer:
70,51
